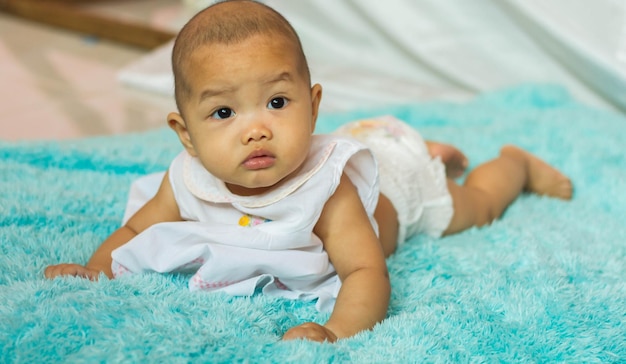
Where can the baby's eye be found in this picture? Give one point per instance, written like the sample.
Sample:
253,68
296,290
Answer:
223,113
277,103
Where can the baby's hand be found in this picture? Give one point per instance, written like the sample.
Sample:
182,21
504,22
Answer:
310,331
75,270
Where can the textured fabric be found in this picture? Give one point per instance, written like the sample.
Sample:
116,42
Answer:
238,244
414,182
544,284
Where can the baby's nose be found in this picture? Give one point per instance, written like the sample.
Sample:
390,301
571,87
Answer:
257,132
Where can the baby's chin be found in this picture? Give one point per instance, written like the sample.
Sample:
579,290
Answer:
251,190
262,183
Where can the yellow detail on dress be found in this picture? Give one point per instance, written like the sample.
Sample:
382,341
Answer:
244,220
249,221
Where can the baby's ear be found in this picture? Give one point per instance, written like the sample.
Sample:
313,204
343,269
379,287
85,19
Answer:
316,98
177,123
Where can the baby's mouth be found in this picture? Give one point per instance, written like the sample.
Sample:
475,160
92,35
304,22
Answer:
259,159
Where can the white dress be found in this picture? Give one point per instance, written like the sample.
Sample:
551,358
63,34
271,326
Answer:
238,244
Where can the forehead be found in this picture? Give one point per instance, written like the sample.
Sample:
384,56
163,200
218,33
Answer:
255,54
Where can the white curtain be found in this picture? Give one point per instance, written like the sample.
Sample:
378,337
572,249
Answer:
372,53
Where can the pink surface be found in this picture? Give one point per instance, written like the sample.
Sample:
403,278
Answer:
59,85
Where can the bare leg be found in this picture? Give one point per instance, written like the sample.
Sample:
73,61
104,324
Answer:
491,187
454,160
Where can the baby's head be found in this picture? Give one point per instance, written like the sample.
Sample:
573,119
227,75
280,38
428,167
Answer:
226,23
246,106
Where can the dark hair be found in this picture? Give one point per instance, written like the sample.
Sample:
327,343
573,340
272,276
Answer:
229,22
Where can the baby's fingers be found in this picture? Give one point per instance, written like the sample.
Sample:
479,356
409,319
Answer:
310,331
75,270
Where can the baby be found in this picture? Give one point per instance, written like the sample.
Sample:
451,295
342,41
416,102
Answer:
257,202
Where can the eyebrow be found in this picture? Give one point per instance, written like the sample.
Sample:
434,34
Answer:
284,76
210,92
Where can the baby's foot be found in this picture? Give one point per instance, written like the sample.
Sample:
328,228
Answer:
454,160
543,179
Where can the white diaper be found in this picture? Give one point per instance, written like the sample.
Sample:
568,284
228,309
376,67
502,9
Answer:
414,182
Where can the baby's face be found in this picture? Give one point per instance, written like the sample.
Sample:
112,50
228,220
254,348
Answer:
251,113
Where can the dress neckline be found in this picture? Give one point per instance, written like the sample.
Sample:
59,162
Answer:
207,187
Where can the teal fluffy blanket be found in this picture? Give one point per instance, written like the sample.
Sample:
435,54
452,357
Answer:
543,284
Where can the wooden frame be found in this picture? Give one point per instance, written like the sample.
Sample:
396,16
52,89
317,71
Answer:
67,14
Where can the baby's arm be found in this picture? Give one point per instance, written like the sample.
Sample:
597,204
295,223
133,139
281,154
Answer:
357,255
162,207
